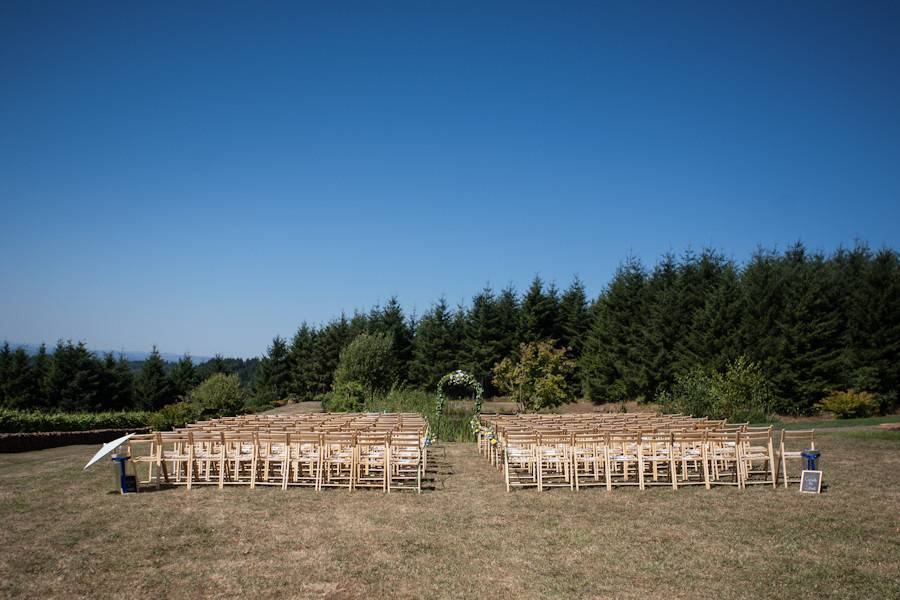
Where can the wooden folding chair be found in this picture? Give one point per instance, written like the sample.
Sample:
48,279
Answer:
208,457
404,462
589,459
757,457
372,458
791,446
520,460
175,449
240,450
623,466
689,455
723,453
338,459
142,450
270,460
305,459
656,459
554,463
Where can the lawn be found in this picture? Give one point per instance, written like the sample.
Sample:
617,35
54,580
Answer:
837,423
65,535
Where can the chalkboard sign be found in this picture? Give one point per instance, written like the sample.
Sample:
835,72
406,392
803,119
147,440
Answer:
811,482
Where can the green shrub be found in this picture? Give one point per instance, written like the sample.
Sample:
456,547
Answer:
538,379
264,399
368,361
741,393
174,415
349,396
220,395
401,399
850,404
20,421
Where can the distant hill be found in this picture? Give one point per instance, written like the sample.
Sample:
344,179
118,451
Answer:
130,355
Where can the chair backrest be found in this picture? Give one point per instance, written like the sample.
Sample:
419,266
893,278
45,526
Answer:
209,441
405,440
370,439
800,439
719,441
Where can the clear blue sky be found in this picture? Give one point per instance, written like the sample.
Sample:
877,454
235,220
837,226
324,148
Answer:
205,177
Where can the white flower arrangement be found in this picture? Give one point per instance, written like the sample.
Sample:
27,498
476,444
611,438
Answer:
458,378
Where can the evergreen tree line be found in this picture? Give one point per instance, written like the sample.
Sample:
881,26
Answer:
73,379
813,323
425,349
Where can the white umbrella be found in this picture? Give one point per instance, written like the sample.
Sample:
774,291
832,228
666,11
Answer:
107,448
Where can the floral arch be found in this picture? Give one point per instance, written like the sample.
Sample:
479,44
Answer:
458,378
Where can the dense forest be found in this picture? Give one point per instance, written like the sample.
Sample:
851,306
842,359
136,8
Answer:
813,323
73,379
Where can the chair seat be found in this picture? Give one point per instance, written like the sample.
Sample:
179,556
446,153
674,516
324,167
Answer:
656,457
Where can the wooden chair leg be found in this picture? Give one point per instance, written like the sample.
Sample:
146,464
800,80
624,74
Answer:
772,466
784,470
506,470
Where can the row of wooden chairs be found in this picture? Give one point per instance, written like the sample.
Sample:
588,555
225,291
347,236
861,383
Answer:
641,452
285,452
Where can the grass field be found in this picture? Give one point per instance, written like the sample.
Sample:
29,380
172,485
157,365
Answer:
837,423
65,535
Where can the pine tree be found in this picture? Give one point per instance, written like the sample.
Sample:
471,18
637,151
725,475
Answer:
359,323
762,285
697,281
117,384
302,381
74,382
539,316
808,333
483,342
575,318
124,394
717,324
435,347
152,385
614,363
871,309
883,278
666,324
184,376
275,369
458,329
508,322
219,364
391,321
18,380
327,346
5,364
40,374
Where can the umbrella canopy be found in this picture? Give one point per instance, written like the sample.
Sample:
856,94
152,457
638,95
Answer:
107,448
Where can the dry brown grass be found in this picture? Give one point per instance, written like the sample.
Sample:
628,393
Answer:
65,535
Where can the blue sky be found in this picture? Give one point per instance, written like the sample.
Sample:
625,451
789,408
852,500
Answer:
205,177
